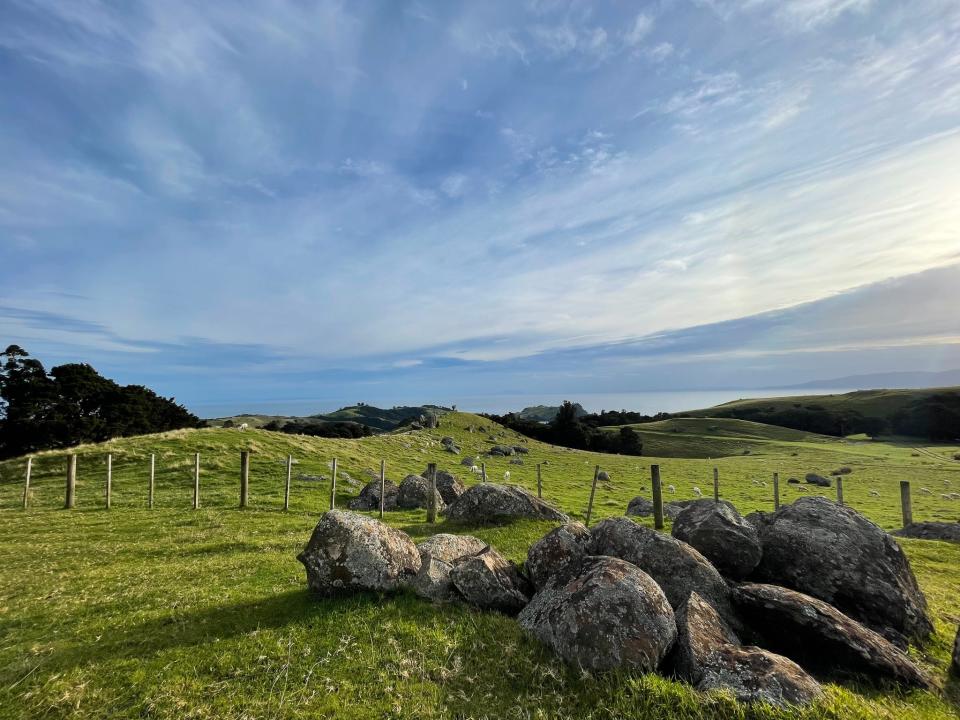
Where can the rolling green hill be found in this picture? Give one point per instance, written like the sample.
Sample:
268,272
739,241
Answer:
171,613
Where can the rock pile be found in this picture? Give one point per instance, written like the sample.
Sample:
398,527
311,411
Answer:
622,596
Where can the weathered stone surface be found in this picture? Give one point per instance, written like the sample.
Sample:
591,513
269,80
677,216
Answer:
610,614
437,553
369,497
490,581
676,566
819,480
415,493
449,486
641,507
718,531
821,638
348,551
835,554
490,502
501,450
561,548
949,531
709,657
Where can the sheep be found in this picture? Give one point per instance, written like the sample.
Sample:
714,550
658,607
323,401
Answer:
475,470
506,476
242,426
697,491
671,488
926,491
945,496
874,493
763,483
801,488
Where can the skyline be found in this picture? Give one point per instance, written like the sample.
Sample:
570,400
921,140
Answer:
295,201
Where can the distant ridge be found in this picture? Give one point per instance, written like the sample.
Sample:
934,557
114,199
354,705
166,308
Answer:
899,380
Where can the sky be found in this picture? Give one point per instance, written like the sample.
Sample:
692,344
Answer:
246,205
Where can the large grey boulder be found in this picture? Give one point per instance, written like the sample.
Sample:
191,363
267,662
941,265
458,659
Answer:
415,493
676,566
369,497
449,486
610,614
835,554
949,531
490,582
708,656
718,531
490,502
821,638
559,549
437,554
501,450
348,551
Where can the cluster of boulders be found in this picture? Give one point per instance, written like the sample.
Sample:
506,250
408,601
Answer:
762,606
413,492
450,446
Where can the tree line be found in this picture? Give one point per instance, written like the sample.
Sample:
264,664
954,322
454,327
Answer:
74,404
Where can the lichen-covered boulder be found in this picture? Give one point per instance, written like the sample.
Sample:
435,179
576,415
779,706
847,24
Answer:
490,582
437,553
562,547
821,638
449,486
610,614
369,497
835,554
415,493
948,531
490,502
676,566
348,551
718,531
708,656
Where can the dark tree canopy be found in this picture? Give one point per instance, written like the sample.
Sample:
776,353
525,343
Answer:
74,404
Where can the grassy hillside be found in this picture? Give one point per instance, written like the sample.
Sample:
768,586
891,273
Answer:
378,418
871,403
172,613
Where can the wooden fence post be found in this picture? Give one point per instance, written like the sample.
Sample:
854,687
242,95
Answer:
432,500
26,483
196,481
776,491
716,485
333,485
109,478
906,506
153,472
657,497
286,485
483,472
539,482
71,499
244,477
840,489
383,485
593,489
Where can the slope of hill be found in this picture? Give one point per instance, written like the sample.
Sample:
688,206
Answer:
374,417
170,612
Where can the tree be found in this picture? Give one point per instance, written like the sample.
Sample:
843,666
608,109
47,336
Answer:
630,441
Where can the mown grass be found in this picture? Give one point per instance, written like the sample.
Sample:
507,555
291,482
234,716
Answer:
172,613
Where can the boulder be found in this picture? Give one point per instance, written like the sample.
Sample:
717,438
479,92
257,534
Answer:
949,531
610,614
814,479
603,476
821,638
490,502
348,551
561,548
708,656
641,507
491,582
835,554
501,450
793,481
437,554
449,486
676,566
415,493
718,531
468,461
520,449
369,497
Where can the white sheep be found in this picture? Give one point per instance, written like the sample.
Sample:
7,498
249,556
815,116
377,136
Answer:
475,470
697,491
763,483
242,426
801,488
926,491
945,496
874,493
506,476
671,488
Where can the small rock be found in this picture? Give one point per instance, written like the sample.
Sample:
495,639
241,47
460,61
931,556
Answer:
609,615
603,476
437,553
793,481
490,502
468,461
562,547
949,531
819,480
516,461
415,493
369,497
490,582
718,531
501,450
348,551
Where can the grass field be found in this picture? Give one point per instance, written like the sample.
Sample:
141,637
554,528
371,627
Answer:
174,613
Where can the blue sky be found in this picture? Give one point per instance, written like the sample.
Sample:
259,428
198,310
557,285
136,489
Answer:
297,201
